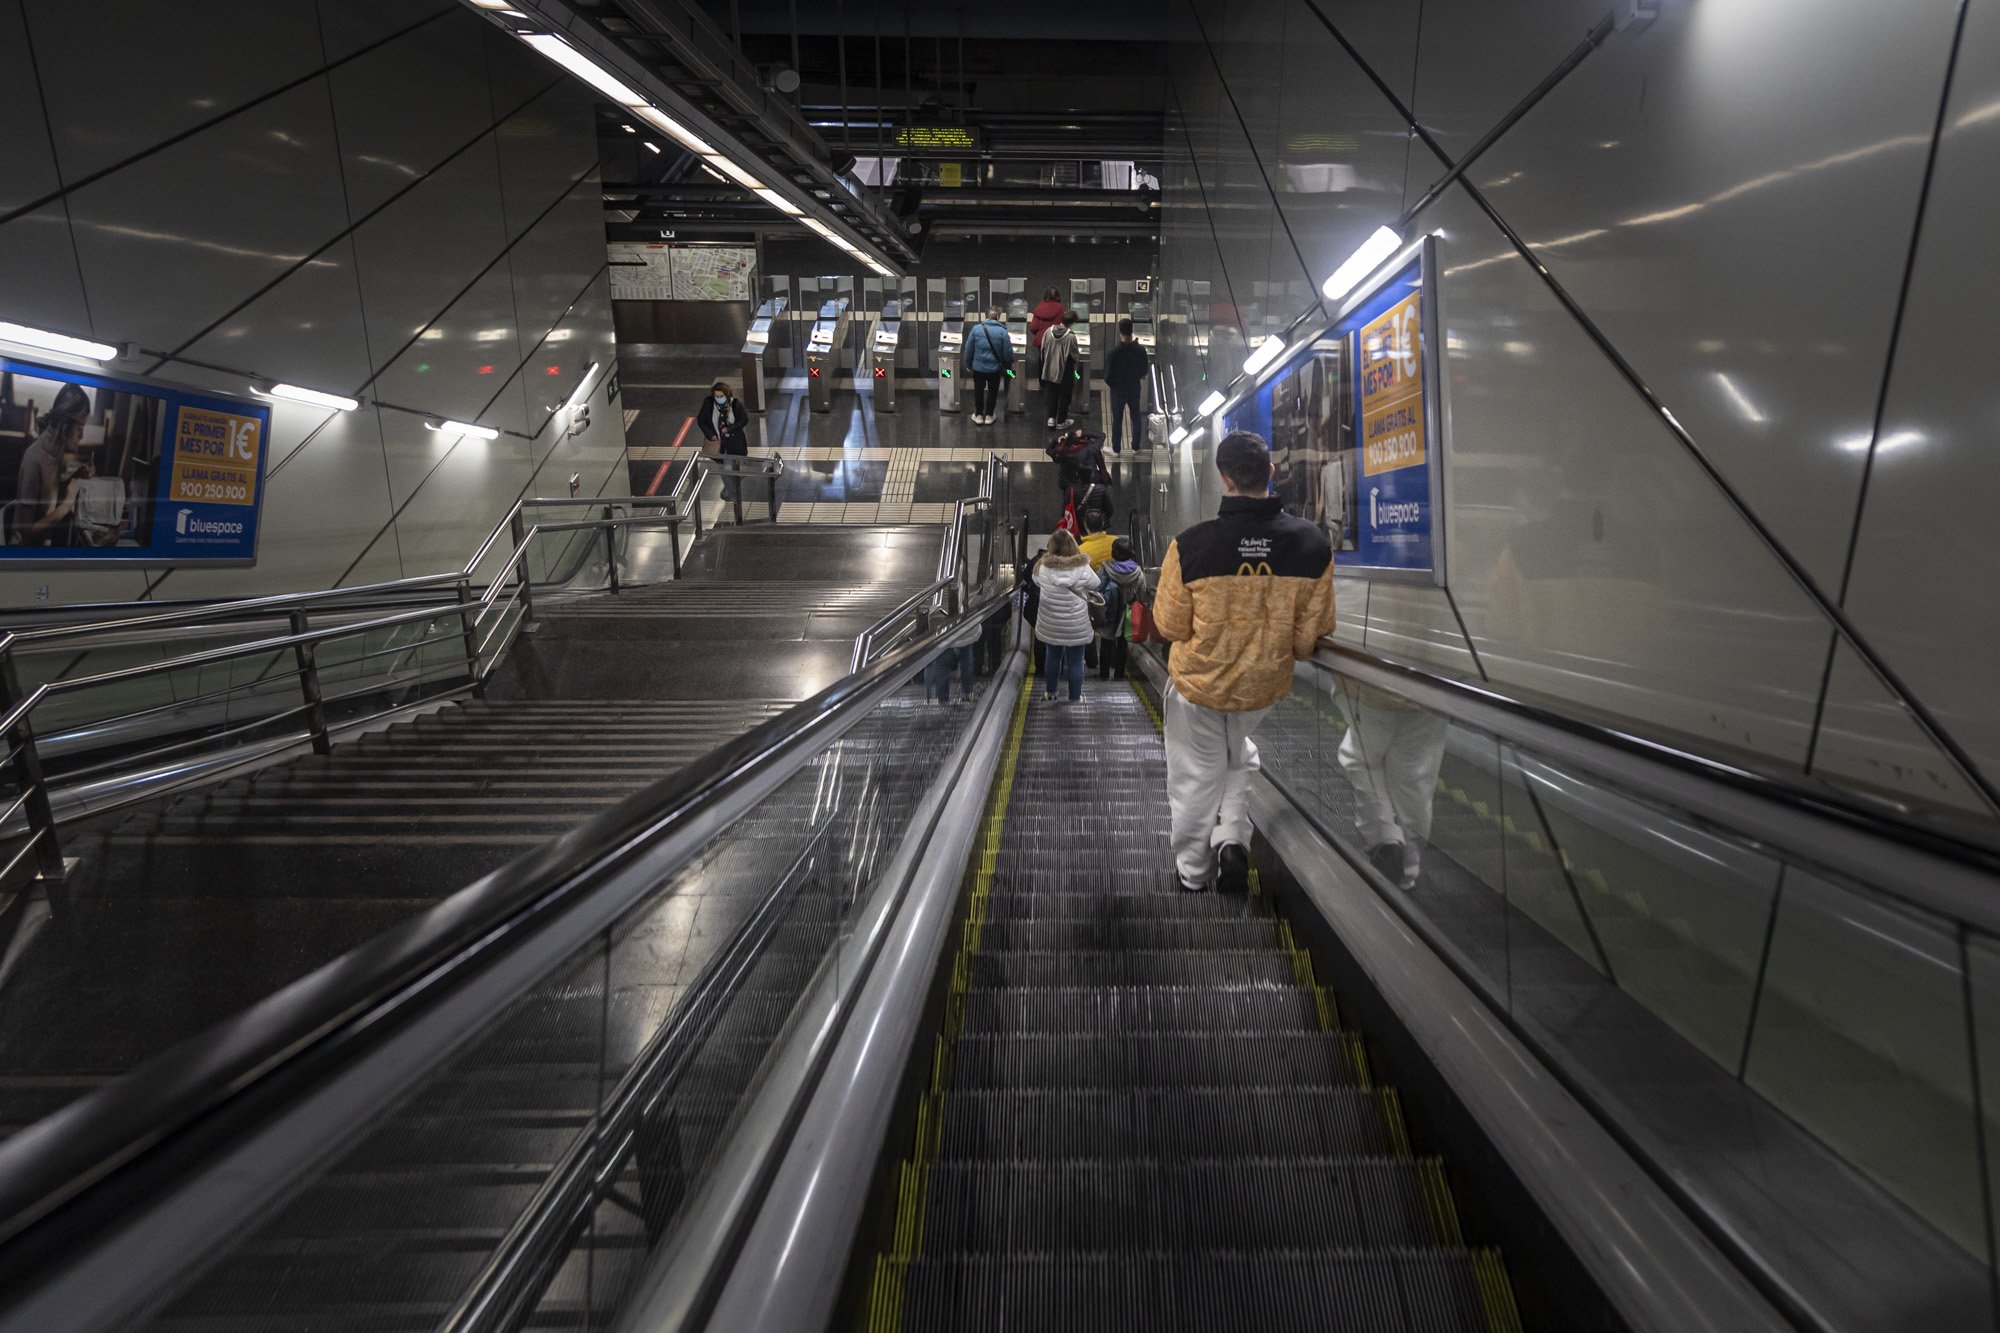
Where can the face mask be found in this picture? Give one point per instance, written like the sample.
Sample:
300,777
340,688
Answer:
722,398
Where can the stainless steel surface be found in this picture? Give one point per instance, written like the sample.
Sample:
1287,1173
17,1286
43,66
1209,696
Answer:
1653,1264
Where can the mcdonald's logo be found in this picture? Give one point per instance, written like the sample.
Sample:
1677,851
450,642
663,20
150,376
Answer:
1261,567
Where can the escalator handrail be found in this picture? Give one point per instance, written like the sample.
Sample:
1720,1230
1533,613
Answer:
60,1177
1925,867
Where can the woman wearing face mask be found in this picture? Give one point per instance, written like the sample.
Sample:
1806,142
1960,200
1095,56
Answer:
724,422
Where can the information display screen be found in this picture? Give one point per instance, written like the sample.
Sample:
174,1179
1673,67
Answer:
98,469
1352,423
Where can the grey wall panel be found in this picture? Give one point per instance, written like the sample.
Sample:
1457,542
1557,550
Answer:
1869,740
595,454
543,149
1476,59
1383,31
121,76
39,280
1415,624
1755,151
306,330
469,477
556,259
1340,173
1925,565
406,105
177,239
27,162
418,254
346,26
515,75
1591,558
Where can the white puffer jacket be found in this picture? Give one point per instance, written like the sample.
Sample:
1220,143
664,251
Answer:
1064,616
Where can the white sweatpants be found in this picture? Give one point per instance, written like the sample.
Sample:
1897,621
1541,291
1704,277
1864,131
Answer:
1210,761
1392,756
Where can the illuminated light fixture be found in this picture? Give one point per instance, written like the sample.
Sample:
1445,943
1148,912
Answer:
1180,433
57,342
628,129
559,52
674,130
1267,354
735,173
779,202
651,147
1210,405
1378,247
462,428
820,227
310,397
881,270
582,394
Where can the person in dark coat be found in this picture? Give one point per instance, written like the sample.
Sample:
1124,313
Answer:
1124,376
725,423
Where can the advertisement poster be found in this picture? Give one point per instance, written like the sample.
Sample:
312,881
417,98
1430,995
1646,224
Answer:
1351,428
96,469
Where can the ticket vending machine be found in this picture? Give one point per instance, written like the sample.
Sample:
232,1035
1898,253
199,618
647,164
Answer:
885,347
823,352
1017,374
758,347
951,356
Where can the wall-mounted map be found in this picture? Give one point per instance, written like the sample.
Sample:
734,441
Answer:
658,271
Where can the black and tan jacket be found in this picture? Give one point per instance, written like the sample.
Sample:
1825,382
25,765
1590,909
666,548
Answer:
1242,596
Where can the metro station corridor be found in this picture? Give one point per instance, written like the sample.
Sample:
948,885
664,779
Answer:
1425,761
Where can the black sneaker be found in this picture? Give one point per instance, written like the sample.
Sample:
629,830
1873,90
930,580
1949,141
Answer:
1387,857
1232,869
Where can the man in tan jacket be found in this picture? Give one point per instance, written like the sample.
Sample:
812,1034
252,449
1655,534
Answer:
1241,596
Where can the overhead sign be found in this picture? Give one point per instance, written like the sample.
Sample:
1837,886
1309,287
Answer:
105,470
937,139
1355,435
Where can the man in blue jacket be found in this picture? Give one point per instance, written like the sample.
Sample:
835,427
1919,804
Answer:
988,354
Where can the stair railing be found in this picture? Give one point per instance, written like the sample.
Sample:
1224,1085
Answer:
958,575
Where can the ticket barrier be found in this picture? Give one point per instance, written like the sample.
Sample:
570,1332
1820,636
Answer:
885,347
756,352
825,348
951,356
1017,374
1084,372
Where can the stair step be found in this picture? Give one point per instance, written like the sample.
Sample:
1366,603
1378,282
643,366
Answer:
1129,932
1138,1009
1163,1122
1158,1059
1152,967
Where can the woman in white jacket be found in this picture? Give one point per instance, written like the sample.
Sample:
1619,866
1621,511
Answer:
1062,622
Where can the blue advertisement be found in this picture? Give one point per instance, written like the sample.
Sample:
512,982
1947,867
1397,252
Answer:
96,469
1353,433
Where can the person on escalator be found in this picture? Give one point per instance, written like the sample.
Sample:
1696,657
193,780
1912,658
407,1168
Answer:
960,655
725,423
1241,597
1062,622
1122,584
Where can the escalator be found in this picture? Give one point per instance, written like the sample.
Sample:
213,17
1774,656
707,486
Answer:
1144,1112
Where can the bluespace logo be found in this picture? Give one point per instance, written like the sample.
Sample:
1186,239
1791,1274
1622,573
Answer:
187,525
1393,514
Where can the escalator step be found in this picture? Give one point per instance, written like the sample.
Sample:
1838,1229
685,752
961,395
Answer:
1027,870
1031,1208
1129,932
1135,1009
1163,1122
1132,968
1341,1291
1035,905
1214,1059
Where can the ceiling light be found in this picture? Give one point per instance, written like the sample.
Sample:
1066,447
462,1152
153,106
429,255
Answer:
819,227
651,147
735,173
674,130
311,397
582,393
1180,433
57,342
1266,354
560,52
1378,247
462,428
1210,405
779,202
628,129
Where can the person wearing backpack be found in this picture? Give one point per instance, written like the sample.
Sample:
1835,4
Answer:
1122,583
1063,622
989,353
1059,369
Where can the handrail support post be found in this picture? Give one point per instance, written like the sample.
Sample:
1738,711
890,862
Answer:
611,548
27,764
303,651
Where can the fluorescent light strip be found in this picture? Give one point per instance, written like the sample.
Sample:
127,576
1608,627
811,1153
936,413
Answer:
779,202
560,52
582,393
313,397
1180,433
819,227
462,428
734,172
651,147
1267,354
1378,247
680,133
57,342
1211,404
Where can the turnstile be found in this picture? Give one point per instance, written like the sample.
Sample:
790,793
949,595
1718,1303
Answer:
1017,374
757,346
886,345
824,347
950,356
1085,371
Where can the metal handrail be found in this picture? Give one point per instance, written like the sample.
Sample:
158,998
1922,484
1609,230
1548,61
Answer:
951,591
79,1178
